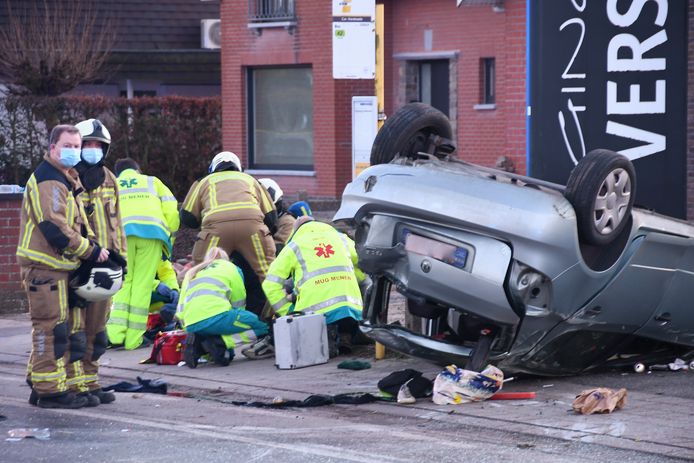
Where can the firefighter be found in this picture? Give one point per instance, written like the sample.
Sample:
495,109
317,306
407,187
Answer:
100,199
322,264
285,220
53,240
212,309
233,212
150,217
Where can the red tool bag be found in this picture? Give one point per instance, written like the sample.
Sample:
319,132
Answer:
168,347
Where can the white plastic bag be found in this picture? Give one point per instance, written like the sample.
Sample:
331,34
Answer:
456,386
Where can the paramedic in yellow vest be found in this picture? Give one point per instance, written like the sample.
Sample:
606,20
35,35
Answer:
150,217
100,199
212,309
322,263
52,242
233,212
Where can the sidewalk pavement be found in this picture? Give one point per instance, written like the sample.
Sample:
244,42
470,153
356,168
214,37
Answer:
651,421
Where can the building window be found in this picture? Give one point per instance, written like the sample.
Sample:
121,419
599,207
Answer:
270,10
488,71
280,118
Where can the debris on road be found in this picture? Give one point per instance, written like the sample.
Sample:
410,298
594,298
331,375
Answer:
513,396
156,386
18,434
418,386
405,395
676,365
599,400
354,365
455,385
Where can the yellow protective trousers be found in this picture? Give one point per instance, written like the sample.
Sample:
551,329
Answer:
128,321
51,345
82,375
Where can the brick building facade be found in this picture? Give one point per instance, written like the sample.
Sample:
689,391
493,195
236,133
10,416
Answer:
416,34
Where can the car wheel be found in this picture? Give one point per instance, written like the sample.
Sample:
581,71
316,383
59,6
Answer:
409,131
601,189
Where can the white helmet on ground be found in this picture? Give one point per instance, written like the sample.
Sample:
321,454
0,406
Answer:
99,283
225,156
273,188
93,129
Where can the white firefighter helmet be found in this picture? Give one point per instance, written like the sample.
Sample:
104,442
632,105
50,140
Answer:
93,129
225,156
273,188
99,283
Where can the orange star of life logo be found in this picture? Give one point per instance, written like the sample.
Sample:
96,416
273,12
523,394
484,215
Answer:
323,250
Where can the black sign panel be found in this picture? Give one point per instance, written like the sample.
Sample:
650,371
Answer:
611,74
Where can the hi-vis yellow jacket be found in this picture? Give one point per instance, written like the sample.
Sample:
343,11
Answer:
103,213
53,224
224,196
148,208
322,262
214,290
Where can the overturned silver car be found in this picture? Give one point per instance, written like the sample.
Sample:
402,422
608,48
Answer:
500,268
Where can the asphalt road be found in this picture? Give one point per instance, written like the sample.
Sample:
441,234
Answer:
149,427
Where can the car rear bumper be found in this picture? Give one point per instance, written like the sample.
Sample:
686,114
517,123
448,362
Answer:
407,342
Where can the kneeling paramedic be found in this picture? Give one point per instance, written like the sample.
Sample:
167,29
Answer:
322,263
212,309
53,241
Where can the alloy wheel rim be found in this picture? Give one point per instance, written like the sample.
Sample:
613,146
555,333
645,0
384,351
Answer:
612,201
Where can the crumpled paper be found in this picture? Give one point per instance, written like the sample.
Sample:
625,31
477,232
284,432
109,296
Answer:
456,385
599,400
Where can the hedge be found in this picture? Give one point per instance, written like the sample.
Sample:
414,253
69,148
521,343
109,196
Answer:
173,137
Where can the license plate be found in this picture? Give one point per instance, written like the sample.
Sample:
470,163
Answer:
444,252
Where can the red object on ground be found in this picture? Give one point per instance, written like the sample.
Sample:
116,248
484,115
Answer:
512,396
168,347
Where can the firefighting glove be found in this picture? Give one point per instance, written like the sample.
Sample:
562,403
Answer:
118,259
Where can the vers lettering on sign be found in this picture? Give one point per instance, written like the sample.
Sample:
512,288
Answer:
625,54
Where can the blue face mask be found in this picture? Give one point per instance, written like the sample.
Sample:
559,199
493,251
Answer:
92,155
69,157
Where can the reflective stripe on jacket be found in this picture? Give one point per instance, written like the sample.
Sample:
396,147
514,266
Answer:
227,195
322,262
52,221
214,290
105,216
148,208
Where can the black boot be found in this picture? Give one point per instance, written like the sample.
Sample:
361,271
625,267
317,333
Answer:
33,397
67,400
103,396
216,347
333,349
92,400
193,350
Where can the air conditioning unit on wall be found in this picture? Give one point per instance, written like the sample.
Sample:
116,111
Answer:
210,33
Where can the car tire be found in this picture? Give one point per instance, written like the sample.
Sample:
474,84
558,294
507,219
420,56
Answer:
601,189
407,131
